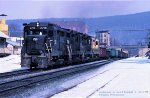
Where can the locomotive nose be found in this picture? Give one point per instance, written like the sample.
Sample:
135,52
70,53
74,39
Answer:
35,44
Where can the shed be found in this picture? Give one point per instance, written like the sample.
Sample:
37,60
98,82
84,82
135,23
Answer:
3,43
14,47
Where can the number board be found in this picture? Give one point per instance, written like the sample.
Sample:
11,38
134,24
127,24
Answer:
42,28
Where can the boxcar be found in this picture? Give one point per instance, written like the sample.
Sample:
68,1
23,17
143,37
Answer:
103,53
113,53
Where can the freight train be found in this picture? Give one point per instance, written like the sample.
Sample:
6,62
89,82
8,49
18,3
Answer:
46,44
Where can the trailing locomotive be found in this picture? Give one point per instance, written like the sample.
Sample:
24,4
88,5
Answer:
46,44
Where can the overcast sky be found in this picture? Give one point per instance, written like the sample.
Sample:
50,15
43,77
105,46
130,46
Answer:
30,9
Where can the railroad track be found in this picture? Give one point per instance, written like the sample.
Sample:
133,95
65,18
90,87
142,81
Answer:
9,76
26,80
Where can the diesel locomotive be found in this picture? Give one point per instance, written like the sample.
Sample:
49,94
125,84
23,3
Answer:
46,44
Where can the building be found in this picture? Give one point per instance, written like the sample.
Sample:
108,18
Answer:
104,38
7,45
13,47
3,44
18,40
143,51
3,25
3,35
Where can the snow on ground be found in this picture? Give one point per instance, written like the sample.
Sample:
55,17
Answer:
128,78
10,63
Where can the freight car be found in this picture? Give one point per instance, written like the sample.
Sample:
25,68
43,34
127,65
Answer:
117,53
46,44
103,53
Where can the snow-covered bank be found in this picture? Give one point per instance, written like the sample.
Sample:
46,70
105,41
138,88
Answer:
128,78
10,63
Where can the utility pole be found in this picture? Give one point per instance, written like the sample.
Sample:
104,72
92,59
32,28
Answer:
149,44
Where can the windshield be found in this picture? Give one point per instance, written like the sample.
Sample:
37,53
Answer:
37,32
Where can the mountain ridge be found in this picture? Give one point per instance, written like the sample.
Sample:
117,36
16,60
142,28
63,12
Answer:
117,22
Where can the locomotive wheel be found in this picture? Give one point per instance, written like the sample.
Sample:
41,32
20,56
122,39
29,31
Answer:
33,65
30,66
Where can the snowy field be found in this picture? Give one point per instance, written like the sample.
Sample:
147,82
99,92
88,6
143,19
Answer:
10,63
128,78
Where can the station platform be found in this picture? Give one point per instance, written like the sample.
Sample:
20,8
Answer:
128,78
